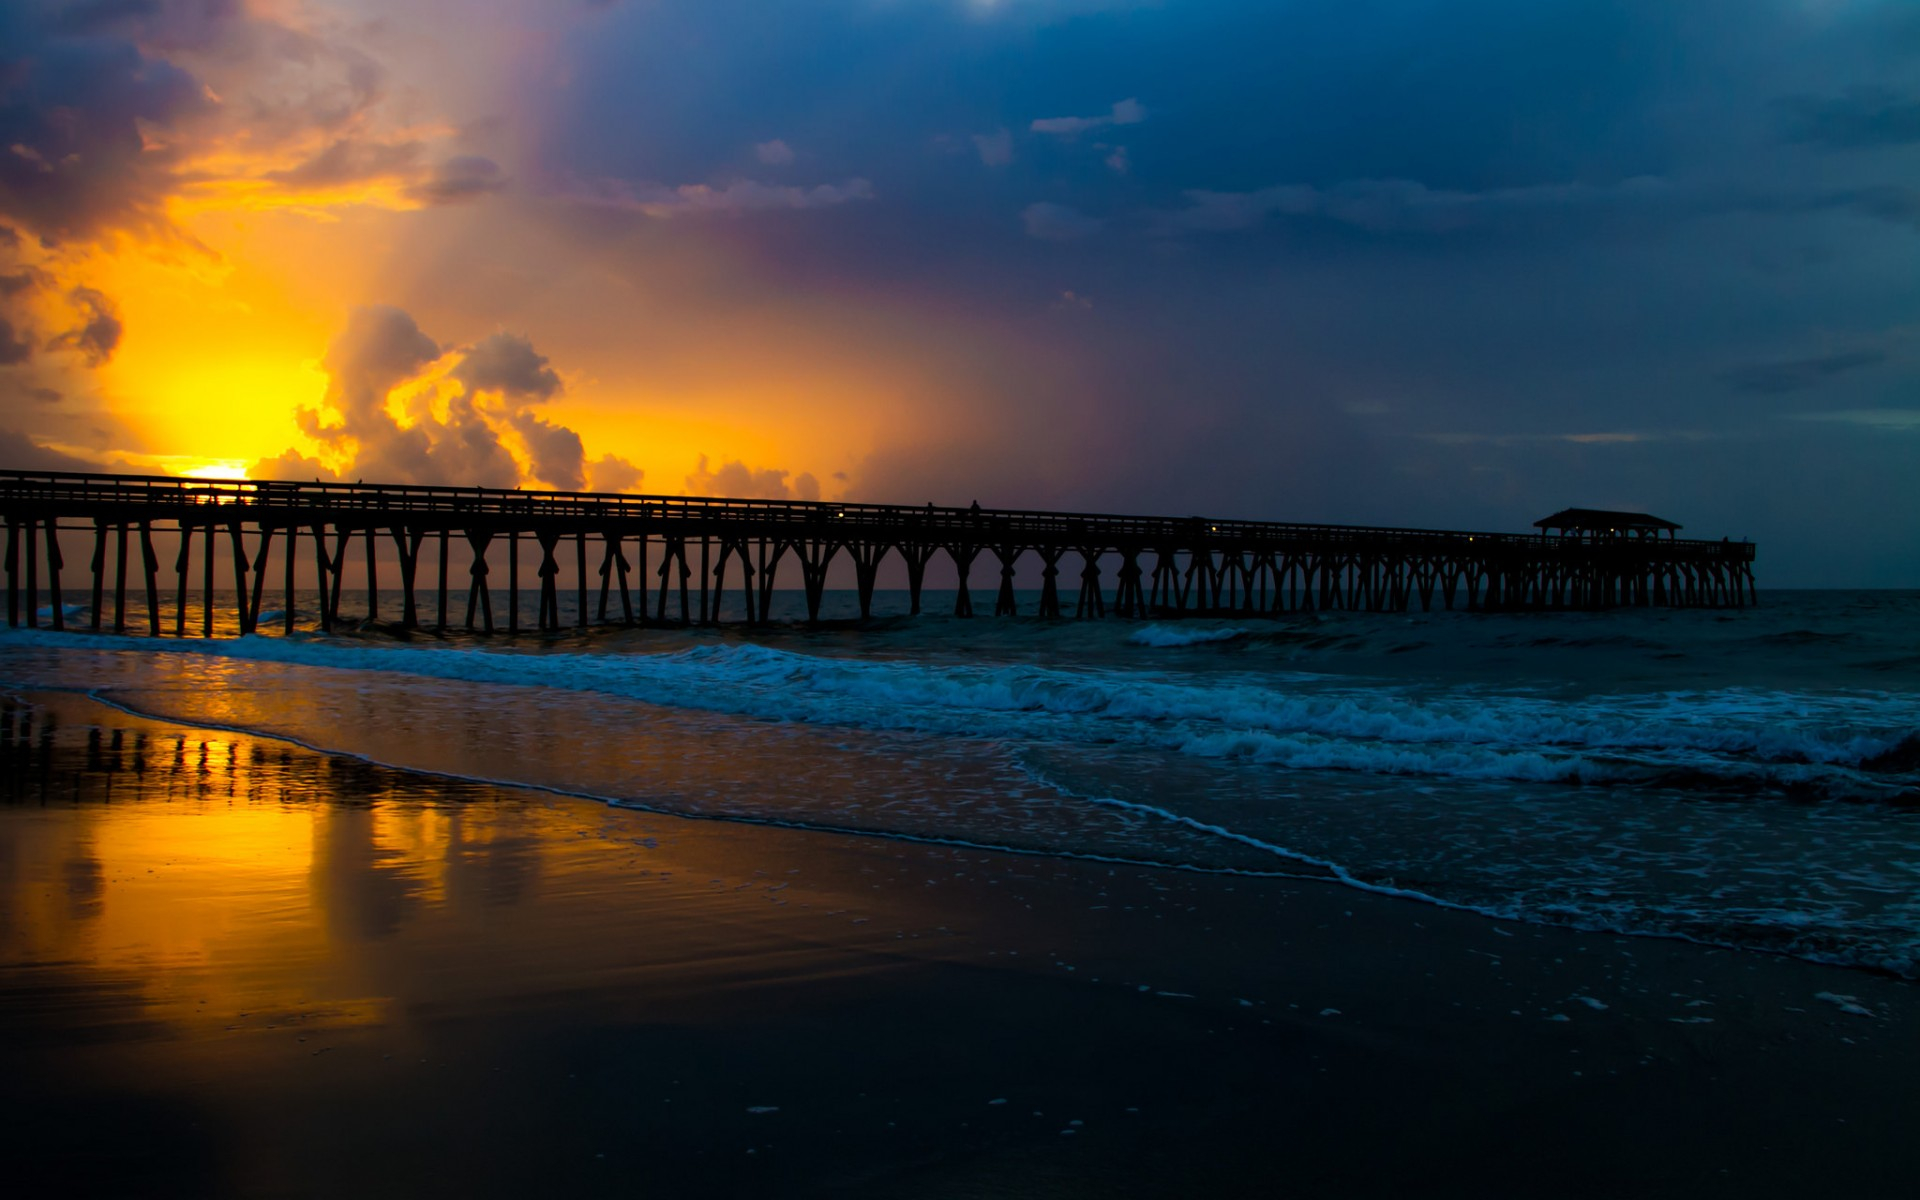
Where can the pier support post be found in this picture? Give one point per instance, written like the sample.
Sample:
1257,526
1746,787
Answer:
1091,603
182,564
206,583
120,578
549,582
373,576
150,560
866,570
54,563
13,573
1050,581
580,575
1128,601
99,573
513,581
916,555
1003,605
479,595
441,624
235,531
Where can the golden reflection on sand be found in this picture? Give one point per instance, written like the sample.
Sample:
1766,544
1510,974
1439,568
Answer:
220,885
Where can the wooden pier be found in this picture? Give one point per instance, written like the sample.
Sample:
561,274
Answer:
641,560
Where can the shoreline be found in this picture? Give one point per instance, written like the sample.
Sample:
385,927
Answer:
875,994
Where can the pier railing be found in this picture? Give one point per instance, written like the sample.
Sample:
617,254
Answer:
1164,565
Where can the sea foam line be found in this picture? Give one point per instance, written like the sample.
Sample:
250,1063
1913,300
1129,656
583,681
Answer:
107,700
1286,722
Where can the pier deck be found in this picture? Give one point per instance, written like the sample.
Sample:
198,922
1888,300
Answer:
670,559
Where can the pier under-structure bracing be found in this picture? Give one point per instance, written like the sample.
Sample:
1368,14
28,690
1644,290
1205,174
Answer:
642,560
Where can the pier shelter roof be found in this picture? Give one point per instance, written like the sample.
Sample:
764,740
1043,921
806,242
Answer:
1602,520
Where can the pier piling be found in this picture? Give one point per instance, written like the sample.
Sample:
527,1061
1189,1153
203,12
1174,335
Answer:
1163,567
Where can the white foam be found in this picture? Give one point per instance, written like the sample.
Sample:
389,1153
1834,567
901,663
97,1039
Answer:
1166,636
1737,736
1846,1004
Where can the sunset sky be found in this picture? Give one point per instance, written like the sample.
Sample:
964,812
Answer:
1371,261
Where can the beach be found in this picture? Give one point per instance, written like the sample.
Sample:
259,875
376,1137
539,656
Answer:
235,966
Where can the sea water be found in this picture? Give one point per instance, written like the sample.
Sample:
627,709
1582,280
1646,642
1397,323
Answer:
1748,778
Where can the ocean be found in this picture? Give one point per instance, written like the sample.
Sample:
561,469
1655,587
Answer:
1740,778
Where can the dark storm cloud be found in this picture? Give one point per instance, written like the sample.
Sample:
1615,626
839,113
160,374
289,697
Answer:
18,452
1865,118
459,179
73,161
349,161
98,333
13,349
1775,378
1541,225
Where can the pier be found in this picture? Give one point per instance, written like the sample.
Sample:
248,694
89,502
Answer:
643,560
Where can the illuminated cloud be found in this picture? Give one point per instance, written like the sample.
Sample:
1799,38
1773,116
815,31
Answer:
995,149
763,483
775,153
98,332
462,414
611,473
1126,112
741,196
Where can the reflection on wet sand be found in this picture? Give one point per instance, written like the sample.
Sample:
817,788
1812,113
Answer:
229,966
222,875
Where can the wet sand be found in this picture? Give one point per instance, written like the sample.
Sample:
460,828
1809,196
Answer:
229,966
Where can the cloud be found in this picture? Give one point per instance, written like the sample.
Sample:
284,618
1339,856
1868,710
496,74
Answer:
1405,205
1902,419
1057,222
1864,118
1399,206
775,153
555,453
1886,202
736,479
469,414
294,466
1118,161
995,149
614,474
1775,378
99,330
13,350
460,179
78,115
1126,112
349,161
507,363
18,452
746,195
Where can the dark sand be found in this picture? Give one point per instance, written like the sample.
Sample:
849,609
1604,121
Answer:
232,967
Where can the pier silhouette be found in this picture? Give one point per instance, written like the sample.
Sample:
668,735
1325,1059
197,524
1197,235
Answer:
670,559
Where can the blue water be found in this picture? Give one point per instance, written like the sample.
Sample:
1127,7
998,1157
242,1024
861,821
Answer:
1746,778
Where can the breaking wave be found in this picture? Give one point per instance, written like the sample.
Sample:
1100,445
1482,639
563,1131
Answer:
1852,745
